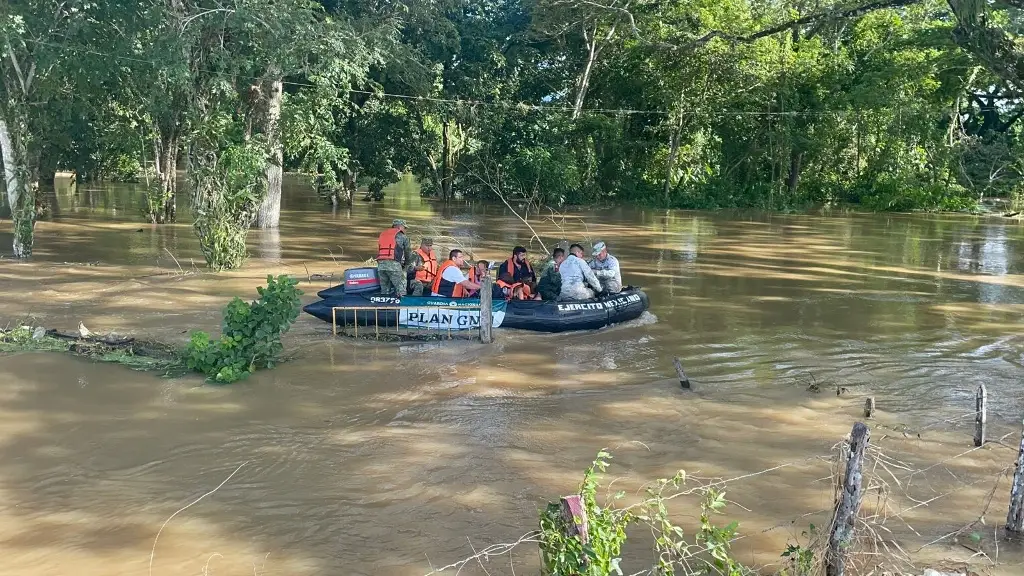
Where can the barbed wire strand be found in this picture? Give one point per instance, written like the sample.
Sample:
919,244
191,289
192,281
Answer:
872,524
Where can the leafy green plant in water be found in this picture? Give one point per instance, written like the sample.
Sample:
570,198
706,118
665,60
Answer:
20,339
707,552
251,337
227,188
565,555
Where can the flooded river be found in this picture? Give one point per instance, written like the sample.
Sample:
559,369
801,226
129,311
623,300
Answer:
379,458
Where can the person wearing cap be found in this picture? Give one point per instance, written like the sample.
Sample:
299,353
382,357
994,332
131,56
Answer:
392,252
606,268
578,280
422,268
519,268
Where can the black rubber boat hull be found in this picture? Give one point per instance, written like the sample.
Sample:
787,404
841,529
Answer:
535,315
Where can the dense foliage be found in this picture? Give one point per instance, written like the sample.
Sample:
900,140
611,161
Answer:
889,104
251,333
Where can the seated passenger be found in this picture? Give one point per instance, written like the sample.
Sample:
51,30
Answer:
450,281
479,270
606,268
578,280
550,284
519,267
476,275
512,290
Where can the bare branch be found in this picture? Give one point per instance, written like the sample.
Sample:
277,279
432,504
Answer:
17,69
829,14
835,13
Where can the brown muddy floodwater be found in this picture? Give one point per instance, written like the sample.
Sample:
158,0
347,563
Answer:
374,458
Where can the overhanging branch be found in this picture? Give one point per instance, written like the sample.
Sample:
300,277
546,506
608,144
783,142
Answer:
837,13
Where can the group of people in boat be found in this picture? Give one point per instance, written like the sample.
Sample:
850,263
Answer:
566,276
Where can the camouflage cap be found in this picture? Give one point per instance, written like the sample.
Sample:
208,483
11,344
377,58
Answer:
397,222
597,248
427,242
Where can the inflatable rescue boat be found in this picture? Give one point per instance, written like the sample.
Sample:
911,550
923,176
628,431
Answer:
357,301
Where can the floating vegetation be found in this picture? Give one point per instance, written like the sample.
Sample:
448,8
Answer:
129,352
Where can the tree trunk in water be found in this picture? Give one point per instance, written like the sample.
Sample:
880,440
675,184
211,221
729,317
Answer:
20,191
168,182
165,160
269,213
348,182
795,159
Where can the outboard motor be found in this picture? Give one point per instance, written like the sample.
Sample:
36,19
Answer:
361,280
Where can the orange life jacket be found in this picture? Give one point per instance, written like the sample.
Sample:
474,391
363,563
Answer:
474,276
511,267
510,290
429,267
387,245
445,288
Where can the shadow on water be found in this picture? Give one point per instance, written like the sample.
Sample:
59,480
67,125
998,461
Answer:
373,458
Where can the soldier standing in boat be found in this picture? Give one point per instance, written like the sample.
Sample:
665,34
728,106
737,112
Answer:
606,268
392,252
422,268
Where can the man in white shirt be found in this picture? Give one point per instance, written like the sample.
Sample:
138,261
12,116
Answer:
451,282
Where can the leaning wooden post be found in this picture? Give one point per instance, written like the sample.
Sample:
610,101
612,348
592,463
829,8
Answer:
485,310
683,380
1015,518
848,504
574,517
980,417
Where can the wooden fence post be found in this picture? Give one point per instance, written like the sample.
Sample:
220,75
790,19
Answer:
574,518
683,380
981,417
869,406
485,310
1015,517
848,503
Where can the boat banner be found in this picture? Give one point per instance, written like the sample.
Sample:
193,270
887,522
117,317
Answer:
443,313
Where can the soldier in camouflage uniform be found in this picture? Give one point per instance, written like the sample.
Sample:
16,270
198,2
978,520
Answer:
392,252
606,268
419,272
550,284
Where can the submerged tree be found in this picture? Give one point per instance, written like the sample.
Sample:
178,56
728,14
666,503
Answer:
37,40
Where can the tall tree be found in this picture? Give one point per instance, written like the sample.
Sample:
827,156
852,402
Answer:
39,40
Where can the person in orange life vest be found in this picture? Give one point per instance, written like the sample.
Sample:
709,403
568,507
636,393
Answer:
422,268
392,251
519,268
450,281
479,270
512,290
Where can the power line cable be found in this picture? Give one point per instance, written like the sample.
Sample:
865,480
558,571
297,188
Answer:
468,102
